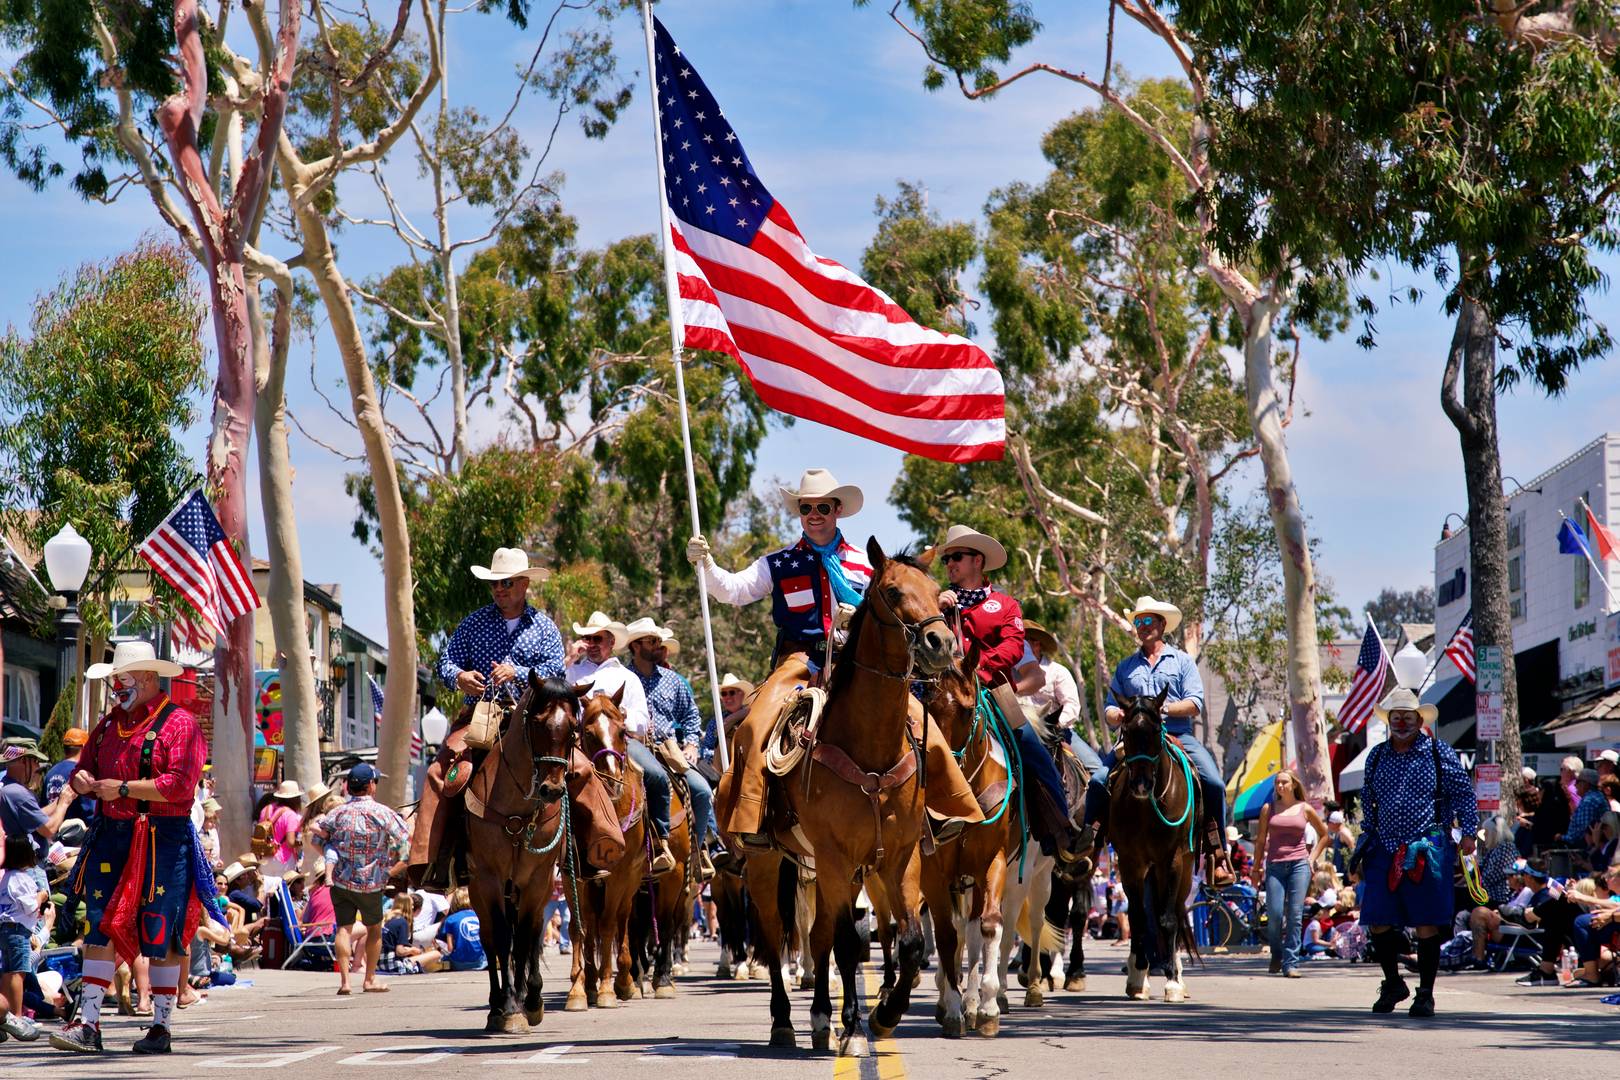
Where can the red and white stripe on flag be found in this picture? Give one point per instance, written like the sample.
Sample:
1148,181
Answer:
1461,646
191,552
1367,684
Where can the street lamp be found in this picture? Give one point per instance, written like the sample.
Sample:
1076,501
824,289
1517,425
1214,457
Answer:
67,563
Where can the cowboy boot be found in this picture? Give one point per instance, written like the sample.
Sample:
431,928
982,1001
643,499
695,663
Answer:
948,797
1220,862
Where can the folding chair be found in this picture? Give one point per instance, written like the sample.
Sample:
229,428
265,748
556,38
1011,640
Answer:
1518,942
298,940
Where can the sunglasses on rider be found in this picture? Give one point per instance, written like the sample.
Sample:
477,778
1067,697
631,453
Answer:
953,556
505,583
1142,622
806,509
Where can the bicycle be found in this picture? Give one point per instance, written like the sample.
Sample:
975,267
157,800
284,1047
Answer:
1222,918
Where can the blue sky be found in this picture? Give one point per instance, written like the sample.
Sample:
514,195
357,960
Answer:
828,101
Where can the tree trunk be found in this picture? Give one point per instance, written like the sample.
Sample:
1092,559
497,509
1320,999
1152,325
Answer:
1266,408
299,701
1473,353
451,317
399,695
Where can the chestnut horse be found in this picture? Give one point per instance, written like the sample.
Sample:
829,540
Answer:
517,820
663,910
857,799
601,963
1153,806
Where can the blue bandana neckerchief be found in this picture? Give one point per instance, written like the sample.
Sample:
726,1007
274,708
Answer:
843,591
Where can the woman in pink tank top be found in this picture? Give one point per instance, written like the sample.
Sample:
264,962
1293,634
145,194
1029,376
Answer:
1282,857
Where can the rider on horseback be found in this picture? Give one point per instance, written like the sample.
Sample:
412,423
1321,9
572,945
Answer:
994,622
811,584
1160,666
674,717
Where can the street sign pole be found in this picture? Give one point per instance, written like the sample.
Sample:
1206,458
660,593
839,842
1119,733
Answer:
1488,663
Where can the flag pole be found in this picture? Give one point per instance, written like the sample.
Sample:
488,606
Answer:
672,296
1587,551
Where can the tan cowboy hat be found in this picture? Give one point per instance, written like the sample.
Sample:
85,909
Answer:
599,622
1401,699
1146,605
287,789
236,870
667,636
960,536
510,563
1040,633
133,656
731,682
316,792
821,484
211,805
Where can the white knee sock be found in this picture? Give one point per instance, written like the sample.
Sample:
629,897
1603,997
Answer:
98,976
165,985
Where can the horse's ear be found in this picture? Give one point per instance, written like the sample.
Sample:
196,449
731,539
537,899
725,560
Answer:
580,689
926,559
534,679
617,697
1158,701
970,662
874,552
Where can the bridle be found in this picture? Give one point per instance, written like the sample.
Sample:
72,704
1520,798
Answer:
1177,756
537,762
913,632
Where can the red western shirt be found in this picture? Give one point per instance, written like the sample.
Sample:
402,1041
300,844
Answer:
996,625
177,759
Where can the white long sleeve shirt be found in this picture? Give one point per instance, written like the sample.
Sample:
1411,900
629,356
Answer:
743,587
1061,691
607,678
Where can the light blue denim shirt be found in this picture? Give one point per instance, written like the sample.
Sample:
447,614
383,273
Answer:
1173,670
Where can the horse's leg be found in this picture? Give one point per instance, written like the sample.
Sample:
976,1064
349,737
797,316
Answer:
490,906
1138,960
992,920
1040,891
852,1040
773,884
904,887
1074,973
1014,895
582,970
947,975
1171,923
820,951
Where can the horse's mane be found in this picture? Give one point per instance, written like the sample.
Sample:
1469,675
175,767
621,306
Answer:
549,692
844,673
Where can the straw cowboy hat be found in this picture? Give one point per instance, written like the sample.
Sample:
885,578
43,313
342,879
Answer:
731,682
509,563
1036,632
316,792
1146,605
960,536
821,484
133,656
236,870
599,622
211,805
644,627
667,636
287,789
1401,699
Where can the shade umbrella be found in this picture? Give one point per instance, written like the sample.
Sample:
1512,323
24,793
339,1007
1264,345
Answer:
1251,799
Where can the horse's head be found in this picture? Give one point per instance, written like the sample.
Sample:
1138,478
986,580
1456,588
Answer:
548,709
956,694
904,599
602,736
1142,736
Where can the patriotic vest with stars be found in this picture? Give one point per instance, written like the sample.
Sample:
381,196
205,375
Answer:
801,600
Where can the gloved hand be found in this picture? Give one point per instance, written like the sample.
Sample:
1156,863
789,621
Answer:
697,551
841,618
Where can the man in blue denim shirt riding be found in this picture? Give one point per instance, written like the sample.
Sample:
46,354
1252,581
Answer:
1159,665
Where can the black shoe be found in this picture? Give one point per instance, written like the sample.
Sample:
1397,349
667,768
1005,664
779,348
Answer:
155,1042
1423,1004
1537,977
1390,994
81,1038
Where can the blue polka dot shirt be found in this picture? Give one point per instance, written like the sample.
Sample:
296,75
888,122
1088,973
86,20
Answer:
482,641
1399,793
674,710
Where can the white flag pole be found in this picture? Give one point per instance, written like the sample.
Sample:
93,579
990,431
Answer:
1586,549
672,295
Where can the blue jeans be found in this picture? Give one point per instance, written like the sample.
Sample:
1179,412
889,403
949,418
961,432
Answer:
702,805
657,784
1209,778
562,927
1286,882
1038,764
1082,750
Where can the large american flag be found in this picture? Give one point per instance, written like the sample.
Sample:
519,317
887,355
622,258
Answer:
191,552
1461,646
814,339
1367,684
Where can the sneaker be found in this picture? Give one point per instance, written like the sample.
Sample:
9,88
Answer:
82,1038
1537,977
156,1041
1423,1004
1390,994
21,1028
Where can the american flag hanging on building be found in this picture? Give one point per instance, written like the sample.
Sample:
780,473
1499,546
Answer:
1461,646
191,552
814,339
376,698
1367,684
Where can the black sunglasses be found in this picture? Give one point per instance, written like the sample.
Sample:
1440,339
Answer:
806,509
952,556
504,583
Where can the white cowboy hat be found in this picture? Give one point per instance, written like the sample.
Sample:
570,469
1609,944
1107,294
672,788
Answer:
288,789
821,484
667,636
510,563
133,656
731,682
1401,699
236,870
599,622
640,628
1146,605
960,536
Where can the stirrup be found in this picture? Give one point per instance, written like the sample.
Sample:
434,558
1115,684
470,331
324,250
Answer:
944,829
754,841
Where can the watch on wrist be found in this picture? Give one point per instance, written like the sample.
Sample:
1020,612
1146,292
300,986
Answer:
123,790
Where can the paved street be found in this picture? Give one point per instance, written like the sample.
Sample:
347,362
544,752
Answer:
1240,1023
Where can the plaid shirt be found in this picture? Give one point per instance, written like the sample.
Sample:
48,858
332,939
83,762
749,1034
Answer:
177,759
1591,807
368,838
674,712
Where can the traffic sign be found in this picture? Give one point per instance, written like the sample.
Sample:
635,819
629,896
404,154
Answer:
1488,692
1488,785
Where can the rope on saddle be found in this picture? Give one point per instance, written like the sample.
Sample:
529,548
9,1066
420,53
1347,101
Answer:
1178,755
809,701
1015,771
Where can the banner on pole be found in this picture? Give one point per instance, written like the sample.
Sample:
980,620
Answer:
1488,785
1488,692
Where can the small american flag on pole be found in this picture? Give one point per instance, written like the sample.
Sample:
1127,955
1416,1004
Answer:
1461,646
376,698
814,339
1367,684
191,552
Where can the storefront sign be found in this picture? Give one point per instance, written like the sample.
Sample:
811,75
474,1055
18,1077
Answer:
1488,786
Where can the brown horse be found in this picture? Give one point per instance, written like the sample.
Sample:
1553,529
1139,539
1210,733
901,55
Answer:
601,962
1153,810
517,825
857,799
661,911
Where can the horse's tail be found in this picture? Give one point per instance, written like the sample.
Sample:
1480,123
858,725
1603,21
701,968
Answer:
1052,938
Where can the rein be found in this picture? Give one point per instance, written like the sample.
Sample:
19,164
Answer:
1178,755
913,633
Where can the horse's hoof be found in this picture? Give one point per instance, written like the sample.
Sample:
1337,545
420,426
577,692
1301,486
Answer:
740,973
535,1017
721,971
1023,977
678,970
1075,983
852,1046
516,1024
970,1021
1034,999
1001,1003
1175,995
783,1038
605,1000
757,971
577,1003
494,1023
664,993
879,1030
916,980
807,982
950,1026
1136,995
939,1014
623,993
990,1026
821,1039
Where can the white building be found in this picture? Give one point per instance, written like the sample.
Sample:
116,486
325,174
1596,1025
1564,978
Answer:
1566,635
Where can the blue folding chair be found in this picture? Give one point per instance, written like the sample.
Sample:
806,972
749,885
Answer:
318,947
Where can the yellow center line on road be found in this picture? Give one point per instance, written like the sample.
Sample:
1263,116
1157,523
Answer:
883,1062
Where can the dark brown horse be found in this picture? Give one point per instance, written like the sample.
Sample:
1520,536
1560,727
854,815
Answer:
518,832
600,971
857,800
664,908
1154,808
